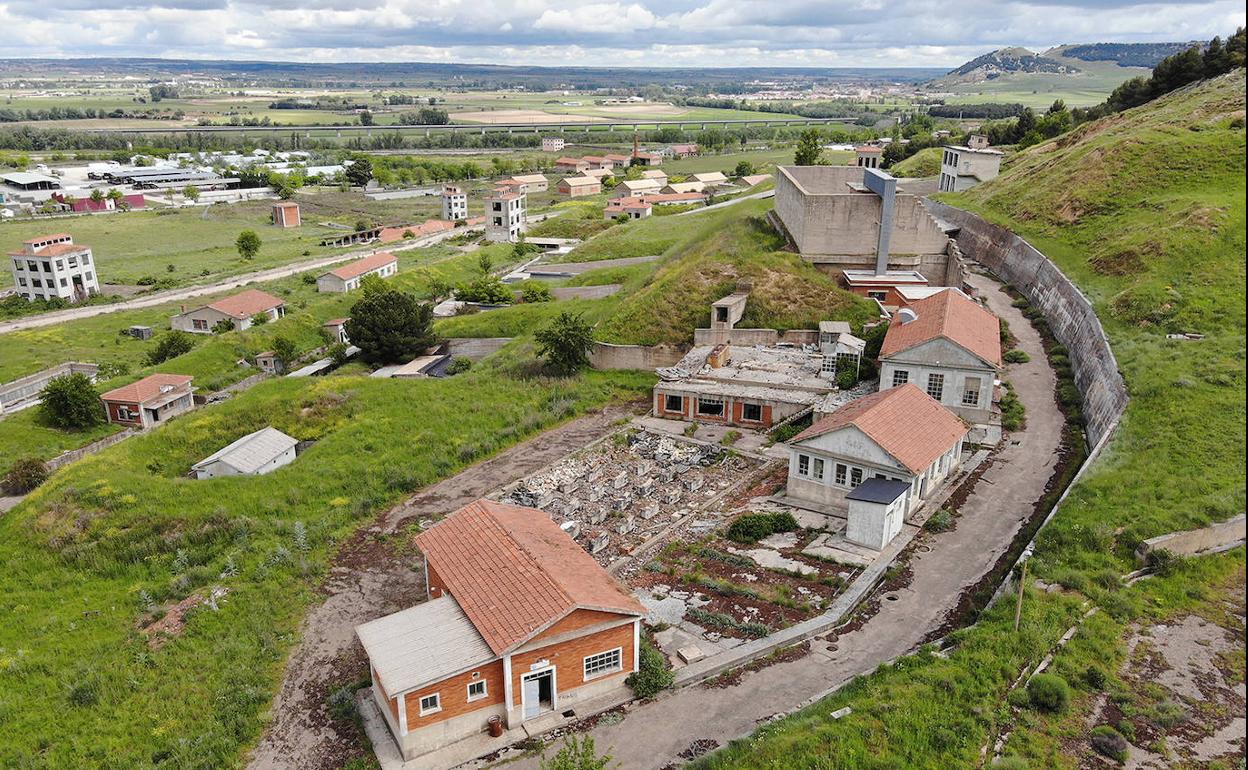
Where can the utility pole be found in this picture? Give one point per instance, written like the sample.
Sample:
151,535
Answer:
1022,584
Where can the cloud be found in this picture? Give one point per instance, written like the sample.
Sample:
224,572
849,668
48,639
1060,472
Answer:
708,33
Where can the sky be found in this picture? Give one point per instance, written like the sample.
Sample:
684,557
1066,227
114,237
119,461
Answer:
707,33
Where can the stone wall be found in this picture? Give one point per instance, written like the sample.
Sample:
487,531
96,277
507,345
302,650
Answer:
26,388
607,356
1068,312
749,337
1192,541
74,455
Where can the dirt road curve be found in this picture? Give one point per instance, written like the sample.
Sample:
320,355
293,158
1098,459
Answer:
371,578
653,734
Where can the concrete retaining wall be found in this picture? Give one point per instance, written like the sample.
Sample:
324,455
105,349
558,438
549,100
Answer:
1192,541
1067,311
749,337
24,389
608,356
77,454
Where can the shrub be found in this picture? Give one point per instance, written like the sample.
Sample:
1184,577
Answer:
341,703
846,379
459,365
260,319
84,694
1163,562
940,521
1168,714
487,289
71,402
753,527
1094,677
535,291
653,674
1016,356
565,343
1018,698
1109,742
1010,763
577,753
248,244
1013,413
1048,692
170,345
24,475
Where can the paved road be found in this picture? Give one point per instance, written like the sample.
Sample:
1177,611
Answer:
173,295
733,202
654,733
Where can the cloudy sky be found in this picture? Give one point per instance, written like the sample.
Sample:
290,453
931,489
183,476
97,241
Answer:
564,32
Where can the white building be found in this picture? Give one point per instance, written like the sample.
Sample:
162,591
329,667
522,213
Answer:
961,168
949,347
54,266
552,144
454,203
504,216
383,264
899,434
255,454
239,310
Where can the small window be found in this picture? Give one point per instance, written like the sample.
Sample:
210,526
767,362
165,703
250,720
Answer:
900,377
803,465
818,469
752,412
476,690
673,403
878,295
602,663
842,472
970,392
711,407
431,704
936,385
855,476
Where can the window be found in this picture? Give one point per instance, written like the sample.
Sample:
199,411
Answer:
199,324
476,690
431,704
900,377
673,403
602,663
829,365
818,469
86,260
855,476
60,265
124,413
970,392
842,471
711,407
752,412
803,465
64,281
877,295
936,385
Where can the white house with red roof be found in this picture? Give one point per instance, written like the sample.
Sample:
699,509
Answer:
899,434
347,278
520,623
240,310
949,346
149,401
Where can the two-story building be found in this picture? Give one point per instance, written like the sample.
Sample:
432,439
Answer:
504,216
520,623
950,347
149,401
961,168
239,310
53,266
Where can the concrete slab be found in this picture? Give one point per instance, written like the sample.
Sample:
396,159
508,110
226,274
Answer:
835,547
773,559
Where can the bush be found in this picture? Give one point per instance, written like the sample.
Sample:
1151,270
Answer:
565,343
1016,356
653,674
459,365
535,291
846,379
940,521
170,345
486,289
1094,677
1048,692
577,753
71,402
753,527
390,327
341,703
24,475
1010,763
1018,698
1109,742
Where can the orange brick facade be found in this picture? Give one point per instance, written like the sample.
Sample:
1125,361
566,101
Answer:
453,694
569,658
391,702
576,621
734,411
437,586
114,413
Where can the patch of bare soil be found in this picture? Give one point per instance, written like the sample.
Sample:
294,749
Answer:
170,624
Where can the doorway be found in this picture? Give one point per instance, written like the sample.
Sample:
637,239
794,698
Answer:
537,692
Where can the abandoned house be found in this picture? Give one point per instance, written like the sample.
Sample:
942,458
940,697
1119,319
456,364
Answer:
335,330
237,310
950,347
347,278
899,434
520,623
149,401
505,216
636,187
842,351
255,454
961,168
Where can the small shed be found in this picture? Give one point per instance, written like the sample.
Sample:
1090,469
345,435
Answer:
876,511
255,454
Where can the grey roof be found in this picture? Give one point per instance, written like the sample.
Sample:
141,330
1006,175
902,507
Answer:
28,177
251,452
834,327
422,645
883,491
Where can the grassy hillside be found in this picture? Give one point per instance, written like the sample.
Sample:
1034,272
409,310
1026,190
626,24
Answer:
925,162
716,251
1145,211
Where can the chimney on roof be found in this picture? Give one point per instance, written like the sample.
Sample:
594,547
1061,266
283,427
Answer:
906,315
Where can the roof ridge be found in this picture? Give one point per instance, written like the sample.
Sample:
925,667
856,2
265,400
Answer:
521,547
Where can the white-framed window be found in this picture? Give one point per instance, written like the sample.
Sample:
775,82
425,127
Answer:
125,413
603,663
842,474
936,385
803,465
476,690
900,377
970,392
431,704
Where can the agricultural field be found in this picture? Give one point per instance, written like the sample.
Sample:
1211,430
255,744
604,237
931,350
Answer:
1091,85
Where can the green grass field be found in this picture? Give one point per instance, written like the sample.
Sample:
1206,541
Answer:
1144,210
1091,85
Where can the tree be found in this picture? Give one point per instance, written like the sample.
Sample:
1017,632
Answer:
23,476
390,327
484,262
809,148
360,171
744,168
170,345
248,244
285,350
71,402
191,193
566,342
97,195
366,118
577,753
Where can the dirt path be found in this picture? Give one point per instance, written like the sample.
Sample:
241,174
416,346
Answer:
371,576
654,734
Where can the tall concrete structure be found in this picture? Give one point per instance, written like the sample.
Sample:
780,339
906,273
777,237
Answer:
504,216
53,266
454,203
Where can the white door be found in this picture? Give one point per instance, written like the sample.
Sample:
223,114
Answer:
532,697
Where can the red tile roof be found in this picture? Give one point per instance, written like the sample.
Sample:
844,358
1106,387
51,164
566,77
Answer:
361,266
906,422
245,304
428,227
514,571
947,314
869,149
145,389
569,162
53,236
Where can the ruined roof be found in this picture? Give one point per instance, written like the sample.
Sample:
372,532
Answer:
949,315
422,645
247,303
907,423
147,388
515,572
251,452
361,266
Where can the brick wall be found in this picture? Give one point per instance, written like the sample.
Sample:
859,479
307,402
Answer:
568,658
453,694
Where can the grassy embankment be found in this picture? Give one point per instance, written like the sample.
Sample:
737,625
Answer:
1144,210
117,539
925,162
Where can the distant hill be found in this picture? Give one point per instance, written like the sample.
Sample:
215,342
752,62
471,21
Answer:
1122,54
1085,61
994,64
